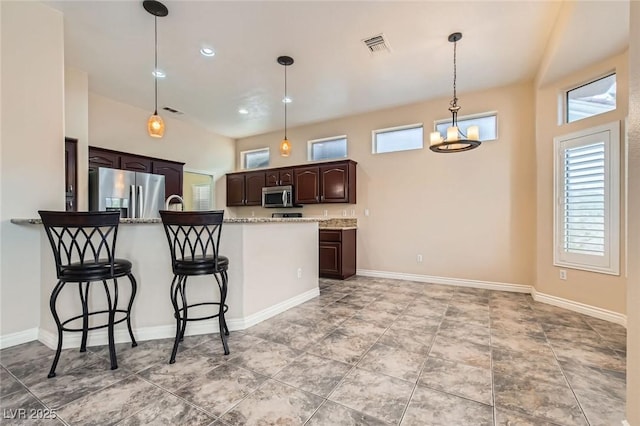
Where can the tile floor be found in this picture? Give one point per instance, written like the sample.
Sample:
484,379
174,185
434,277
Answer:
365,352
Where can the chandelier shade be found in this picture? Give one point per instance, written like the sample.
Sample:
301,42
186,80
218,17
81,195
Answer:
285,145
455,140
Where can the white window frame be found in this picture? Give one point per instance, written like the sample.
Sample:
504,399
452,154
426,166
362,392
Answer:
609,263
469,117
564,101
243,166
375,133
332,138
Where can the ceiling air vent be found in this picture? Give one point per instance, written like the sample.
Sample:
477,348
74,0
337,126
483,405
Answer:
376,44
173,110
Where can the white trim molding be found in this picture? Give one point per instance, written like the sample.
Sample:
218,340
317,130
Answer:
571,305
592,311
98,338
489,285
14,339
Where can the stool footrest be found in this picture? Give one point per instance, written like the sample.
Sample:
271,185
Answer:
183,318
95,327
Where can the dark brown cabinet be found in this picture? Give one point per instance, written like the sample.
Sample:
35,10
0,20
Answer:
171,170
103,158
135,163
307,185
245,189
70,174
172,173
337,253
326,183
331,182
278,177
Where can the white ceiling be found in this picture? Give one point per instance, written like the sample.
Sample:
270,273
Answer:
333,74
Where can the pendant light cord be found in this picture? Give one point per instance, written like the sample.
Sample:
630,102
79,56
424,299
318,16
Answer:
285,101
453,105
155,69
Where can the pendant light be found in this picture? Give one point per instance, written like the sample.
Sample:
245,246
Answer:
155,125
285,145
456,141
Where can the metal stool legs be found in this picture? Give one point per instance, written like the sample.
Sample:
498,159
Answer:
83,289
181,307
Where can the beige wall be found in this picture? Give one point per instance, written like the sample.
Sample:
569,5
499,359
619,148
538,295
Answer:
599,290
471,215
32,162
199,149
633,291
76,125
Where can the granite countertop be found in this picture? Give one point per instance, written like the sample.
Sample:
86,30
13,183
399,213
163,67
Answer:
324,223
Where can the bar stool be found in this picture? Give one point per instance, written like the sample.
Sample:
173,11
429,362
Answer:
83,245
194,239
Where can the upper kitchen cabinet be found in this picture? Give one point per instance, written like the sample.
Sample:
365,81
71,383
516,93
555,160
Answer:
333,182
171,170
70,174
278,177
245,189
99,157
135,163
172,173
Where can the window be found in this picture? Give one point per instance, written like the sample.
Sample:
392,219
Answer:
401,138
255,158
593,98
201,197
587,193
327,148
486,122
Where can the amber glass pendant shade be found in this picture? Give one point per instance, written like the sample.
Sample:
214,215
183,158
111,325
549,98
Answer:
285,147
155,126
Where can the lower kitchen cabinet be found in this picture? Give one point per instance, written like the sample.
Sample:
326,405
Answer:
337,253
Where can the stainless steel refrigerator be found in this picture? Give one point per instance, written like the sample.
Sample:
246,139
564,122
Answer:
134,194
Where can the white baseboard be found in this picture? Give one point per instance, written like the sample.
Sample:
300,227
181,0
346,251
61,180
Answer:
489,285
18,338
121,335
571,305
592,311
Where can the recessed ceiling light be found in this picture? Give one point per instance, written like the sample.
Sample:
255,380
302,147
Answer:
287,100
159,74
243,111
207,51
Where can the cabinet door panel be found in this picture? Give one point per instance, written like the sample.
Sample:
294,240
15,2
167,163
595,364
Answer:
99,158
334,184
272,178
135,163
71,175
172,176
254,182
235,190
330,259
306,185
286,177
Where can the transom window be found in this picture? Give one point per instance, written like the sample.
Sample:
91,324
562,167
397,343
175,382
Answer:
402,138
593,98
587,191
487,123
327,148
254,158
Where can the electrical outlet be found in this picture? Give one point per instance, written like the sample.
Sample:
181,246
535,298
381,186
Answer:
353,212
366,212
253,213
325,213
299,272
419,258
344,213
563,274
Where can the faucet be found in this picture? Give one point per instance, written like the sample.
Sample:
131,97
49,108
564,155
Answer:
171,197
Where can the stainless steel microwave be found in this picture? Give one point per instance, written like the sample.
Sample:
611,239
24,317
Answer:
277,196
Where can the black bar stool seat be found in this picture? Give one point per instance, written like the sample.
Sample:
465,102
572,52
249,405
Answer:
194,240
83,245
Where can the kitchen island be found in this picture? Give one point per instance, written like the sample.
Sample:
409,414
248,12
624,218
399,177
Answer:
273,266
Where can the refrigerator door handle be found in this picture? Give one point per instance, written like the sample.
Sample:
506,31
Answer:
140,202
132,202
